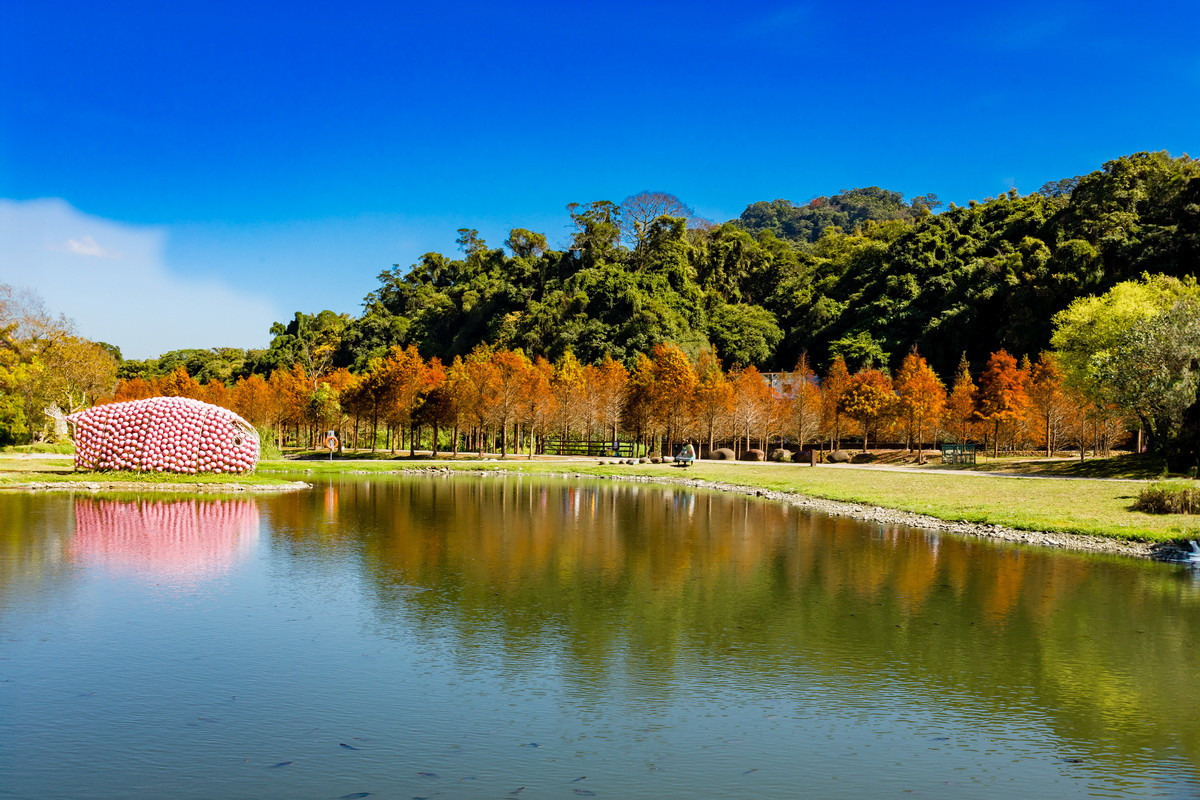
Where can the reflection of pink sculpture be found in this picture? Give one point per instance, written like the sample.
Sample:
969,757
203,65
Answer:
164,434
183,538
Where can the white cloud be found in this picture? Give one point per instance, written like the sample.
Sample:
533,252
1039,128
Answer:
87,246
130,298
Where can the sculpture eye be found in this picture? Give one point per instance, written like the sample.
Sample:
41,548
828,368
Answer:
237,441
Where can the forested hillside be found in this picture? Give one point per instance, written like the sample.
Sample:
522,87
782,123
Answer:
863,273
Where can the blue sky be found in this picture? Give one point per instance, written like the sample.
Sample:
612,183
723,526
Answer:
255,159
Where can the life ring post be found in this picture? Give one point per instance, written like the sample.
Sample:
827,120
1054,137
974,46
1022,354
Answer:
331,441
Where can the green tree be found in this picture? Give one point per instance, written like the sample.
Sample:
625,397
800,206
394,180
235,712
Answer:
1091,326
1153,370
310,341
744,334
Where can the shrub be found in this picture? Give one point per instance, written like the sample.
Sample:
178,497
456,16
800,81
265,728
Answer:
267,449
1169,498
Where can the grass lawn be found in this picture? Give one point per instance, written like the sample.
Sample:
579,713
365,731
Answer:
15,472
1097,507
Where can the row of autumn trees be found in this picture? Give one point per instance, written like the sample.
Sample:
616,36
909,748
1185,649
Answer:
500,400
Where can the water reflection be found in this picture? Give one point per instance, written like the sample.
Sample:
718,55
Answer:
641,585
180,540
663,642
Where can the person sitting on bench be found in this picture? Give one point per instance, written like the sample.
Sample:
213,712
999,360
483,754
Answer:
686,455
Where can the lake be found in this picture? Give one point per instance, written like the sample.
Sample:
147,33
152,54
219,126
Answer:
521,637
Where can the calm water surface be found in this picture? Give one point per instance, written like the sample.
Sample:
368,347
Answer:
530,638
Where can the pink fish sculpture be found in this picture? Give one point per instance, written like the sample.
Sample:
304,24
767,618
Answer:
164,434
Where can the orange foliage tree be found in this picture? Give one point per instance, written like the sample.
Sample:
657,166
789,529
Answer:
713,403
255,402
804,401
569,385
1049,400
960,405
637,411
133,389
293,388
837,378
478,387
1001,396
511,370
922,398
179,384
449,400
539,401
869,399
752,402
607,384
405,379
328,403
674,389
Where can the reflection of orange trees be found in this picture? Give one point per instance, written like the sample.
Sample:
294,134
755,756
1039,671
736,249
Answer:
174,538
623,580
1007,585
